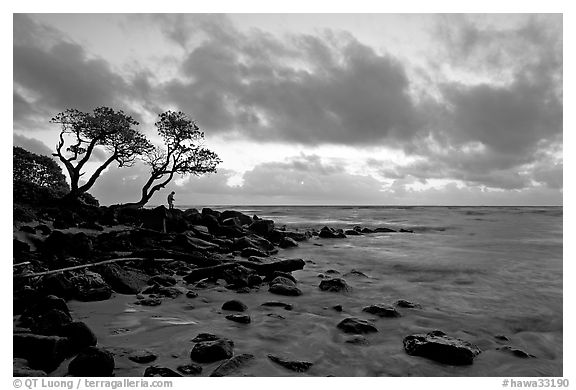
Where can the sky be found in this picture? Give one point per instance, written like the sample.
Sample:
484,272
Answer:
365,109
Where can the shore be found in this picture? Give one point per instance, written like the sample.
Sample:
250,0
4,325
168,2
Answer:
300,304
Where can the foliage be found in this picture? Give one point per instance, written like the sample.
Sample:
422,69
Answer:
183,154
39,170
104,128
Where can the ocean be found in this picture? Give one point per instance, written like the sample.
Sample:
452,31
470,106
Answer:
476,272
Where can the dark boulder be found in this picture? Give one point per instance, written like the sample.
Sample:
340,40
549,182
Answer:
21,368
152,301
384,230
242,218
407,304
334,285
240,318
43,229
338,308
285,306
516,352
327,232
27,229
436,345
298,366
382,310
42,352
205,337
357,340
233,366
253,241
90,286
262,227
248,252
284,289
357,273
155,371
162,280
351,232
211,351
238,276
91,362
50,322
286,275
154,219
124,280
356,326
79,334
59,285
234,305
142,356
231,222
287,242
61,244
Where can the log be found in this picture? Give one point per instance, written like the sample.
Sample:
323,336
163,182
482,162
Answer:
196,258
55,271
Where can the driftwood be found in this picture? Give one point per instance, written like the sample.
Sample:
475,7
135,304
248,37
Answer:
55,271
196,258
288,265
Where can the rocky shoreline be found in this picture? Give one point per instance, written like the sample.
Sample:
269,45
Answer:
159,254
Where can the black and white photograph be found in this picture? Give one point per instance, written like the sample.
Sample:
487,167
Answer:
287,195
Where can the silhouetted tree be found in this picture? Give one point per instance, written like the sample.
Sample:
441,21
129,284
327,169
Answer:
183,153
38,170
105,128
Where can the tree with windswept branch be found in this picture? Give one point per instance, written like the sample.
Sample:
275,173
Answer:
183,154
103,128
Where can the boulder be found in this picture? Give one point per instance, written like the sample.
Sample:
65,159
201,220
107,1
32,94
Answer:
286,275
27,229
124,280
298,366
79,334
155,371
351,232
50,322
238,276
20,368
211,351
59,285
262,227
384,230
382,310
42,352
234,305
253,241
436,345
287,242
356,326
327,232
241,217
90,286
233,366
230,222
162,280
285,289
43,229
516,352
190,243
285,306
334,285
407,304
154,219
91,362
248,252
142,356
357,273
357,340
149,302
240,318
61,244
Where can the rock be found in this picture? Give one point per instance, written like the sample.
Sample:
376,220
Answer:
351,232
149,302
211,351
283,280
356,326
124,280
231,222
501,338
234,305
357,273
384,230
285,306
238,276
332,272
262,227
20,368
286,275
191,294
19,248
60,244
381,310
366,230
287,242
516,352
27,229
327,232
254,280
42,352
51,322
233,366
437,346
162,280
357,340
92,361
58,285
240,318
190,243
154,219
79,334
274,315
167,292
155,371
205,337
248,252
406,231
337,307
243,290
142,357
190,369
334,285
90,286
282,289
94,294
406,304
298,366
242,218
43,229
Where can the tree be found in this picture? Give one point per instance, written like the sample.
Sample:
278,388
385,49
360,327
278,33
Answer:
39,170
183,153
104,127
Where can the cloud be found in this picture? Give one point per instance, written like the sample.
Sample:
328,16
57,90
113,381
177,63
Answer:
32,145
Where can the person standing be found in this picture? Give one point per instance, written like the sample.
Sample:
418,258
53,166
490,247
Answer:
171,200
